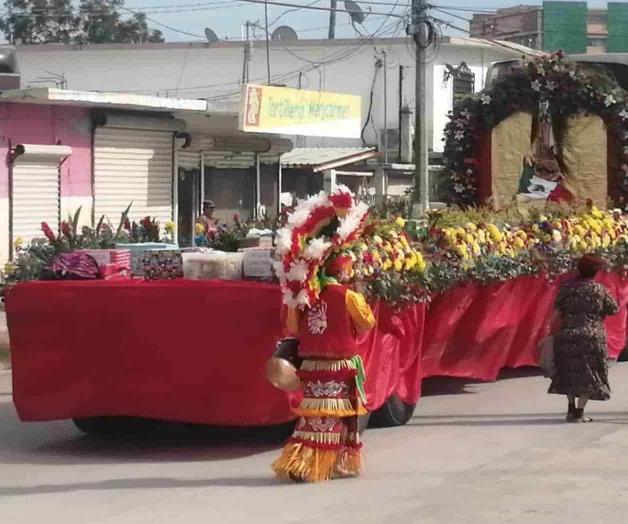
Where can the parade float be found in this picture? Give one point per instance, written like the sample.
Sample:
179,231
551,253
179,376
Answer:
464,292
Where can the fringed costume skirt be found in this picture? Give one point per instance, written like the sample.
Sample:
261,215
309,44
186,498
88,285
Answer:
326,443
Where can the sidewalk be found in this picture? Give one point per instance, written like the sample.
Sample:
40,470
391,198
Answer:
4,342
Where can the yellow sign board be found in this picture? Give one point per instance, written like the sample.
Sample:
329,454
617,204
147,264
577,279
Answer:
287,111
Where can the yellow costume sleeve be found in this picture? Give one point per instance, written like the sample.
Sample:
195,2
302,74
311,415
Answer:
359,311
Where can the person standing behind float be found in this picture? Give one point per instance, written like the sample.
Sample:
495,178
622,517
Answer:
326,442
207,219
580,346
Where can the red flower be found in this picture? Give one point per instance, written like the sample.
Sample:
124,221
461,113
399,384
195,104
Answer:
127,224
48,232
145,222
66,229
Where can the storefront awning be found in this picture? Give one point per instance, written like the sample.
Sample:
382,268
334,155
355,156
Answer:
318,159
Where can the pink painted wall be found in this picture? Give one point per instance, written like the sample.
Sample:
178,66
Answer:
49,125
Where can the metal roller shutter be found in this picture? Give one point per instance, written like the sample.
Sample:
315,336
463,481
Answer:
133,166
35,190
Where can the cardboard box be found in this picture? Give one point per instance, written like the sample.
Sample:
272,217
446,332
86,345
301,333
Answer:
258,263
209,266
265,242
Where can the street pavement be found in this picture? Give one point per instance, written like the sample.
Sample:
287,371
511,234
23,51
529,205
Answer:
474,453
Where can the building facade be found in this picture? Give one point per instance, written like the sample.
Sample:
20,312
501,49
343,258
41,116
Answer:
380,71
569,26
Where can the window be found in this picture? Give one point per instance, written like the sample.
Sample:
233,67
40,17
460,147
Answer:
596,42
463,81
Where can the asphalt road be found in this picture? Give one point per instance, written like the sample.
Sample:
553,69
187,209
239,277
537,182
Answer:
474,453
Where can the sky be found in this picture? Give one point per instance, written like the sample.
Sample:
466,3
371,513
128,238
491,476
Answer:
187,19
227,17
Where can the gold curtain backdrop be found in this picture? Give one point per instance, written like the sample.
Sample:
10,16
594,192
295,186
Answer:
585,155
510,145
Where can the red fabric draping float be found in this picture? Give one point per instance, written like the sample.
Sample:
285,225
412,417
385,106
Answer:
195,351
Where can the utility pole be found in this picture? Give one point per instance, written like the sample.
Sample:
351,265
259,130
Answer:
399,108
247,54
385,108
421,176
332,19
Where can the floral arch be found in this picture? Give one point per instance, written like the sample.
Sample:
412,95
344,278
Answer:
551,89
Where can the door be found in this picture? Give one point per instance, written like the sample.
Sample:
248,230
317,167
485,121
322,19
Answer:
133,166
189,203
232,190
35,190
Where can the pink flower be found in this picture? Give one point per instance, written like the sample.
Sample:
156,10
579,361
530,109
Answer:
66,229
48,232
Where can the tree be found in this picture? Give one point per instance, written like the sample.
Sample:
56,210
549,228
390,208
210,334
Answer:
101,23
38,21
55,21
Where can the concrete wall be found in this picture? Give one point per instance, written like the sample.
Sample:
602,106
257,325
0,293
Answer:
215,72
47,125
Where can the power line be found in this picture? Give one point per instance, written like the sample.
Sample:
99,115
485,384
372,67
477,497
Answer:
316,8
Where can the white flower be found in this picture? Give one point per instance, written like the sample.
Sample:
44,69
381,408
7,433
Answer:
459,188
459,135
298,217
281,275
298,271
351,222
316,248
485,99
557,237
284,240
466,114
536,85
469,171
609,100
624,114
302,299
551,86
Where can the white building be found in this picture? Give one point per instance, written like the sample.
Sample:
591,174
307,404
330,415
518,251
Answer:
215,72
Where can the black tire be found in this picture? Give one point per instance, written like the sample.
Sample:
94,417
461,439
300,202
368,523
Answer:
393,413
363,422
113,426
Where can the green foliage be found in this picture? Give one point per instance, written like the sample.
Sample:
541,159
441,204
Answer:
55,21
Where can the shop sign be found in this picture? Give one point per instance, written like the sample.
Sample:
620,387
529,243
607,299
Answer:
287,111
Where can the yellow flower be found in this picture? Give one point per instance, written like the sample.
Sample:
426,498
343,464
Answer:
461,232
398,265
595,212
17,243
9,268
387,265
494,232
200,229
469,238
420,265
481,236
376,256
519,243
404,242
477,250
170,226
471,226
400,222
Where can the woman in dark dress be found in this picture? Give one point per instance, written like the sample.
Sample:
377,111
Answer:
580,350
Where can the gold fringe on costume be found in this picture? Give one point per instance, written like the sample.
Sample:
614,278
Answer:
299,461
328,407
327,365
